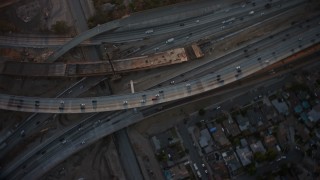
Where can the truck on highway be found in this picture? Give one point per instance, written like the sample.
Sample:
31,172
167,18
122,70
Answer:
195,166
170,40
149,31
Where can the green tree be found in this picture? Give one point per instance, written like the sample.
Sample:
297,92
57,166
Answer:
187,151
6,26
271,155
99,17
60,27
284,169
202,112
251,169
259,157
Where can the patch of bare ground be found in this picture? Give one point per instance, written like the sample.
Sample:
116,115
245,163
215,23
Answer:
145,155
99,161
10,54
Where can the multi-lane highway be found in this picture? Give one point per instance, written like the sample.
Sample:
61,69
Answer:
267,55
226,74
128,32
200,23
107,125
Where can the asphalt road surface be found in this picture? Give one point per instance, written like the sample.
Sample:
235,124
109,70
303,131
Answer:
268,55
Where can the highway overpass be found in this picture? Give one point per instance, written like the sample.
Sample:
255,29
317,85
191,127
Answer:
274,50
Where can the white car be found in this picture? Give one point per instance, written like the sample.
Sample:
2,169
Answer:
125,102
195,166
199,174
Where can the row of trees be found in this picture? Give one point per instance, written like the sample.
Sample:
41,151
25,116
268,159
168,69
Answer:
270,155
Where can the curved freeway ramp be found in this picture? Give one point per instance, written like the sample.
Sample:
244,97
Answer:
110,26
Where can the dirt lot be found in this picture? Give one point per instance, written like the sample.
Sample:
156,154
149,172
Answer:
98,161
36,16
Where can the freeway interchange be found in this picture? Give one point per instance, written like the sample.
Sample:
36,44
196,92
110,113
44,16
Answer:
270,50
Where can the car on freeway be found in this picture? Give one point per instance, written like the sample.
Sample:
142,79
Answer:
238,68
157,95
82,106
142,101
125,102
199,174
149,31
22,133
37,103
61,107
195,166
63,140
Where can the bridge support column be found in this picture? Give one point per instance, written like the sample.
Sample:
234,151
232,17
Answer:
132,91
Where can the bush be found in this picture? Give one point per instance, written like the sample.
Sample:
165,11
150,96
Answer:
100,17
251,169
259,157
6,26
60,27
271,155
202,112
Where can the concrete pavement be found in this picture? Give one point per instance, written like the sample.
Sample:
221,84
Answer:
265,58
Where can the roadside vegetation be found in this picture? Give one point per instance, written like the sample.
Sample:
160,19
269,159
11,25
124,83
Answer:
108,10
6,26
60,27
